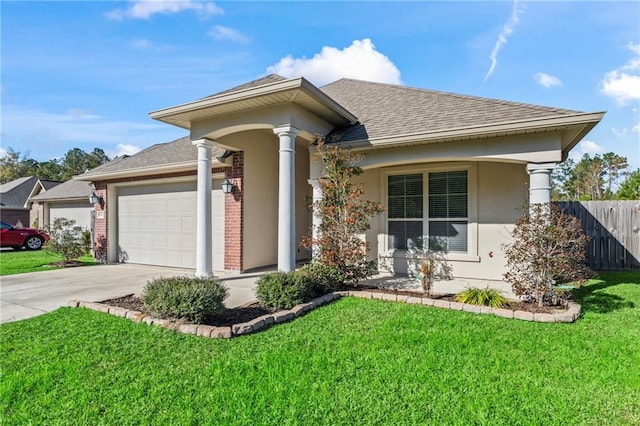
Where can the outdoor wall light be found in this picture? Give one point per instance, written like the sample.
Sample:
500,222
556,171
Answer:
228,187
96,199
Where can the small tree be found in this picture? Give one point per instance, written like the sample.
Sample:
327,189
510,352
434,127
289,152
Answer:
549,247
66,239
344,215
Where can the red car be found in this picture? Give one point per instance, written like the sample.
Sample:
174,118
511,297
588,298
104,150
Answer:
31,239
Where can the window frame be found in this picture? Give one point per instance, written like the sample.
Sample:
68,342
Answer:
472,206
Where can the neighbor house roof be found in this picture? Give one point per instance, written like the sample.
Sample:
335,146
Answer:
387,111
14,194
178,155
69,190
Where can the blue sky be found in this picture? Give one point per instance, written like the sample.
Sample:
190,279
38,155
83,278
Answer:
86,74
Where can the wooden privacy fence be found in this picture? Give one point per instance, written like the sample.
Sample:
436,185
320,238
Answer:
614,228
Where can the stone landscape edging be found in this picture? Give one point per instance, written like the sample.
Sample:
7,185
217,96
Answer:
572,313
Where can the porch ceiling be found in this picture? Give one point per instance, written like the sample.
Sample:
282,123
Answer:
298,91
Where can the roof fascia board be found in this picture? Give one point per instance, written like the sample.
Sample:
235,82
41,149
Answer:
60,199
268,89
588,119
146,171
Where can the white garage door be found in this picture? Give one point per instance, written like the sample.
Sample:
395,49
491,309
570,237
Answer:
79,211
157,225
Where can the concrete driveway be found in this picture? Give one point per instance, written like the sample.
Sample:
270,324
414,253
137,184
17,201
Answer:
28,295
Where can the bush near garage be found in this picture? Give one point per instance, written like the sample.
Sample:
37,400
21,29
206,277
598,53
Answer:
283,290
191,298
323,279
66,239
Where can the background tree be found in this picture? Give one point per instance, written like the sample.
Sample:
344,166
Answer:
591,178
50,170
344,216
76,161
15,164
630,188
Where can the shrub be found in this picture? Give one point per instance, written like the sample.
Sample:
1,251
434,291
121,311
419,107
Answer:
66,239
184,297
482,297
344,216
322,279
283,290
548,247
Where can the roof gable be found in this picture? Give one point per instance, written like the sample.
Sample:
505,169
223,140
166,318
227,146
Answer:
71,189
14,194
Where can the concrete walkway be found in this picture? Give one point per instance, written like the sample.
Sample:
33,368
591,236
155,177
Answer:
28,295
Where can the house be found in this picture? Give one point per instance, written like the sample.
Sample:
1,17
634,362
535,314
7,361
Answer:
452,168
14,199
69,199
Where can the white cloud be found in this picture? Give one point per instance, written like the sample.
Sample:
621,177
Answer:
145,9
585,147
359,61
124,149
225,33
619,133
516,10
623,83
3,152
546,80
636,128
140,43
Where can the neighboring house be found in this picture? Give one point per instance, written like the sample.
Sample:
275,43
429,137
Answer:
452,168
36,210
14,199
69,199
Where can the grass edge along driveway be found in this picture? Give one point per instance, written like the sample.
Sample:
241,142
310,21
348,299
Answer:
354,361
23,261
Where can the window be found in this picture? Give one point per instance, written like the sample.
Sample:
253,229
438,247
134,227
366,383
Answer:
405,210
446,219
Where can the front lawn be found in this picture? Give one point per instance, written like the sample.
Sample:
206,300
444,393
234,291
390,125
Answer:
354,361
21,261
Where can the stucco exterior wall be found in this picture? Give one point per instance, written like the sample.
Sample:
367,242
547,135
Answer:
497,193
260,233
260,189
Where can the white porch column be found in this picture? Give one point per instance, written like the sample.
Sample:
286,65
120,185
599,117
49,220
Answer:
286,198
317,220
540,182
204,251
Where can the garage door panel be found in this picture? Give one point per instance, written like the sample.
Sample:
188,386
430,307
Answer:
157,224
80,212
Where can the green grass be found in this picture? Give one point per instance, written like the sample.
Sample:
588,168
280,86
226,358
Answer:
354,361
21,261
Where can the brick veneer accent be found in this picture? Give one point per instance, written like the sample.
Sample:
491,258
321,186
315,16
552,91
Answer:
233,211
234,215
100,224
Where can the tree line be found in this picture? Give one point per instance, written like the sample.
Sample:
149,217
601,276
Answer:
598,177
15,164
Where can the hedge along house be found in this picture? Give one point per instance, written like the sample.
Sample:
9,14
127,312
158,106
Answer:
449,168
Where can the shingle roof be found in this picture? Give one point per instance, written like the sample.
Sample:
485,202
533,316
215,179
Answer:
69,189
48,184
385,110
271,78
14,194
178,151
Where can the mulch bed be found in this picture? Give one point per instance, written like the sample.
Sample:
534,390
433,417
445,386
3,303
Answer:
226,317
250,311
